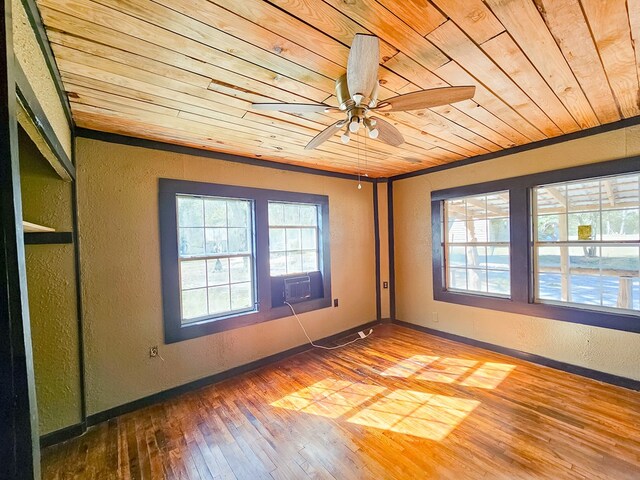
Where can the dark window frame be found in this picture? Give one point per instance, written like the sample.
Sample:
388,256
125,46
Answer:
174,330
522,300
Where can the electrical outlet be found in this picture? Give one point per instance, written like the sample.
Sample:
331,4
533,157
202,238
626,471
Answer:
154,351
434,317
335,302
385,284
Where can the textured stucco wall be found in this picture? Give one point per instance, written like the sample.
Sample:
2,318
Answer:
601,349
31,59
120,257
46,200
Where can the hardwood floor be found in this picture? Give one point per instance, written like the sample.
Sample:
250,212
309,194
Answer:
398,405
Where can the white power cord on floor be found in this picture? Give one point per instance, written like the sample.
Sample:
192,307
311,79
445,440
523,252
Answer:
362,334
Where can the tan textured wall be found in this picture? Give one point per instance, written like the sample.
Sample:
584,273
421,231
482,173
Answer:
601,349
383,222
46,200
31,59
118,216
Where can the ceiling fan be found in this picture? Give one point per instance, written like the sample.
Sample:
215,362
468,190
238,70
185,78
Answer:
357,92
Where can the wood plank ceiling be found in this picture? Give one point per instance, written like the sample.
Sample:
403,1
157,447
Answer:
186,72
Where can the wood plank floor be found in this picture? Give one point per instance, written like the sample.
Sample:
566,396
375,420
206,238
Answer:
398,405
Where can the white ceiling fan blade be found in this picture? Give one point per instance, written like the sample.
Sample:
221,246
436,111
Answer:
295,107
426,99
324,135
362,66
387,132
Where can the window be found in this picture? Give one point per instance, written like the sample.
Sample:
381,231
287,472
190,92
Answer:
587,242
293,238
563,244
225,251
477,244
215,239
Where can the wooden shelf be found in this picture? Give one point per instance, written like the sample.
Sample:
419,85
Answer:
35,228
35,234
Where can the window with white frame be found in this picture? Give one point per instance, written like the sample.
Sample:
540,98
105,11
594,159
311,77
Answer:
293,238
587,242
215,254
476,244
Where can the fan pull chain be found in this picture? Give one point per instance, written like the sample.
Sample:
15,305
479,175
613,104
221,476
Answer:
358,150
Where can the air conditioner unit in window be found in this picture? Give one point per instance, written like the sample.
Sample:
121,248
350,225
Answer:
296,288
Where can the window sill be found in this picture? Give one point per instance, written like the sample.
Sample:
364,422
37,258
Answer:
596,318
206,327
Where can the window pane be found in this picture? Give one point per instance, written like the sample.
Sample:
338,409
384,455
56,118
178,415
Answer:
276,240
498,258
476,256
620,224
193,274
241,296
499,230
240,269
551,199
548,227
457,231
238,213
584,226
215,212
294,262
276,213
598,264
309,261
278,264
291,214
458,278
499,282
216,240
477,229
194,303
293,239
309,238
457,257
309,215
238,240
218,271
190,212
191,241
477,280
583,196
219,300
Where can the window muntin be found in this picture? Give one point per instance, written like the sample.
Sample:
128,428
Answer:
476,244
586,243
293,238
215,255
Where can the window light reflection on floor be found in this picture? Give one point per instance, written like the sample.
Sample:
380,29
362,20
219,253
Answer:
488,376
409,366
465,372
446,370
418,414
329,398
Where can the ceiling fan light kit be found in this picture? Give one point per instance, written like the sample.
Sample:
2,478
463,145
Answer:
357,94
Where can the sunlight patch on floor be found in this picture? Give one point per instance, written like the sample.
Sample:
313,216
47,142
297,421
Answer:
464,372
488,376
419,414
446,370
329,398
409,366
